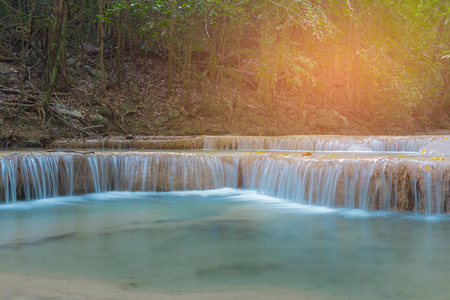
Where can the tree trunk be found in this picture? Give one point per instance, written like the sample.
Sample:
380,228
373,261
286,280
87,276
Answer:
187,73
55,75
265,79
102,47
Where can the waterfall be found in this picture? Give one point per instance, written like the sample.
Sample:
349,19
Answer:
8,179
318,143
386,183
368,182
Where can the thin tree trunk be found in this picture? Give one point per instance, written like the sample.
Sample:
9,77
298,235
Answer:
102,47
170,60
56,48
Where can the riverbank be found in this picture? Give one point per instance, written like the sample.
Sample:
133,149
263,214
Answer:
15,286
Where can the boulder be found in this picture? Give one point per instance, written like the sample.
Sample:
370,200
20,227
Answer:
173,114
162,119
98,74
99,120
129,106
330,119
343,122
105,112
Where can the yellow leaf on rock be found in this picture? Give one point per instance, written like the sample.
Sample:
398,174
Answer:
306,153
438,158
333,155
428,168
408,155
401,156
246,153
423,151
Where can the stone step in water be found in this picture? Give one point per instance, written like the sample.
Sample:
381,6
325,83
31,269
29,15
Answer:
301,143
364,181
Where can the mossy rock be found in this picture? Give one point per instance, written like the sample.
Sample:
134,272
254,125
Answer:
100,120
173,114
104,112
162,119
142,122
98,75
157,123
128,105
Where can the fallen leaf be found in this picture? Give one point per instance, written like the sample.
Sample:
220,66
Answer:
401,156
306,153
423,151
437,158
428,168
333,155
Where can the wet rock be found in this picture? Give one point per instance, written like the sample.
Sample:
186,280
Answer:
30,144
173,114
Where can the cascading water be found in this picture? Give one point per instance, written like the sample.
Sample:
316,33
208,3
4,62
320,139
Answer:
387,182
306,143
318,143
267,218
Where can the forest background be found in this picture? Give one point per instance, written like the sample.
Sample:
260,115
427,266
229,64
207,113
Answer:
80,68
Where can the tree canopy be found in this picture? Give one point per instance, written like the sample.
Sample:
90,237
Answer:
389,59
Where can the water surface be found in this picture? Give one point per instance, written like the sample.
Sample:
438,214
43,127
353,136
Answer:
227,239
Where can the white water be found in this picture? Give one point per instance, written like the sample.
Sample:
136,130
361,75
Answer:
384,182
319,143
